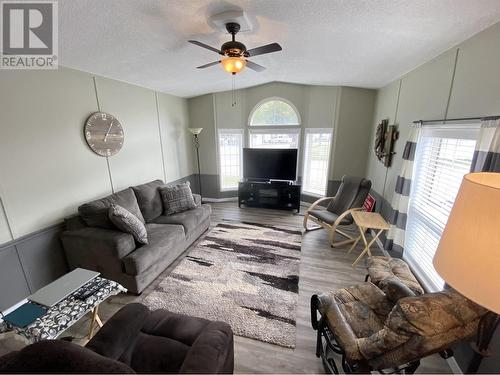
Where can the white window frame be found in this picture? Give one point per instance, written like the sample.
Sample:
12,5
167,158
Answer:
270,99
233,132
465,131
304,166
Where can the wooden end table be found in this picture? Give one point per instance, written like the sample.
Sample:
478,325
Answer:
367,220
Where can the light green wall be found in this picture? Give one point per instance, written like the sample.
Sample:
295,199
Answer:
317,106
177,142
46,167
201,115
476,88
438,90
140,159
4,226
355,111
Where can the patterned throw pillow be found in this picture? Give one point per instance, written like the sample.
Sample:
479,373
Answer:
128,223
177,198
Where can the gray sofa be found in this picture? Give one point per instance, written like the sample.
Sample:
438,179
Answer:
91,241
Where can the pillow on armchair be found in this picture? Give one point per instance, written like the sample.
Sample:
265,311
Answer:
177,198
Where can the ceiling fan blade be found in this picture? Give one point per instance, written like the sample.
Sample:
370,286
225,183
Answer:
254,66
203,45
208,65
268,48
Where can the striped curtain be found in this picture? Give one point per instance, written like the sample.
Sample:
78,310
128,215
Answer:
487,154
394,243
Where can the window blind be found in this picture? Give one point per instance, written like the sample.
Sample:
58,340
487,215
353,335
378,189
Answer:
274,138
443,157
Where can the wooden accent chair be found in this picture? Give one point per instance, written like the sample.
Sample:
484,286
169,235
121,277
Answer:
350,197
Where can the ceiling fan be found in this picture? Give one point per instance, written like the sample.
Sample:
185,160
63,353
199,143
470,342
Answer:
235,53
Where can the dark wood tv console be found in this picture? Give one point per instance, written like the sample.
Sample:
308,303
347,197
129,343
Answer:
278,195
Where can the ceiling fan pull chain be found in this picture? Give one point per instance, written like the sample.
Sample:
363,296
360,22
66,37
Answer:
233,88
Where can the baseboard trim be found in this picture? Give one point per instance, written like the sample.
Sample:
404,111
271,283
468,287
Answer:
218,200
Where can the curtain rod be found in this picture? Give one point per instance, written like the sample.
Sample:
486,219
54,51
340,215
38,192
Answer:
459,119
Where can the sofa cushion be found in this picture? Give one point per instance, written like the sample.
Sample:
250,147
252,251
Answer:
190,219
95,213
177,198
149,199
164,242
128,223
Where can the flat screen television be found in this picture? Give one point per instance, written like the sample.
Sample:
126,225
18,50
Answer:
270,164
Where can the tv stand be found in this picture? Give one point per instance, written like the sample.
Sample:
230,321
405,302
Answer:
281,195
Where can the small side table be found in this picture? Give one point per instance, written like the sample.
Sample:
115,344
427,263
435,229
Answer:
64,314
367,220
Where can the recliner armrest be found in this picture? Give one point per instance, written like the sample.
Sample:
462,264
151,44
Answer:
120,331
105,241
212,352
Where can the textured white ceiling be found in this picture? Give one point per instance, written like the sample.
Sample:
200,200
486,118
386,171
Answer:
364,43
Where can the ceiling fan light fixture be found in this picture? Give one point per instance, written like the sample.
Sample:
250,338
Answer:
233,64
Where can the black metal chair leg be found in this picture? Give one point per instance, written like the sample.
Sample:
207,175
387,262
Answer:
412,367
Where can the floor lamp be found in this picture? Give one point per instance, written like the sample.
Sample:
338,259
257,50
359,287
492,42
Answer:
195,132
468,255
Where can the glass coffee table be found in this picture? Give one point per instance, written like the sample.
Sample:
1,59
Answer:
64,314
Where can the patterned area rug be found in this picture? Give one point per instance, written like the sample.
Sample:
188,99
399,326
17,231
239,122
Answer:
244,274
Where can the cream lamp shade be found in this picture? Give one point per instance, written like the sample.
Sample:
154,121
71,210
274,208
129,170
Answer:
468,255
195,131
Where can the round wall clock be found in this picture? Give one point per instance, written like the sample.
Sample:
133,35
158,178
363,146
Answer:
103,133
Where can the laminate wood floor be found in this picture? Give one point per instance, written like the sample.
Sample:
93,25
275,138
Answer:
321,268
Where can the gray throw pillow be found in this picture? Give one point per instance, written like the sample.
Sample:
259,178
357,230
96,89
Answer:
177,198
127,222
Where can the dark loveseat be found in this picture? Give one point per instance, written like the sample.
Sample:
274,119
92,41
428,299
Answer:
134,340
91,241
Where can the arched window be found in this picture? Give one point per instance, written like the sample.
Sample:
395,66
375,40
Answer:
274,112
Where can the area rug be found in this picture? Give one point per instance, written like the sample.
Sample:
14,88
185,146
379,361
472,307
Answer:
244,274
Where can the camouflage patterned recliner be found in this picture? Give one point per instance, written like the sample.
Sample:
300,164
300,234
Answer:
373,330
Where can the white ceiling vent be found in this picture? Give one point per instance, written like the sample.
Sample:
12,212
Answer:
219,21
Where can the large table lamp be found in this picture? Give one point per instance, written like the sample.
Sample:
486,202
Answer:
468,255
195,132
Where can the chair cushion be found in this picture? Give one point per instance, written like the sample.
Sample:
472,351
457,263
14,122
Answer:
190,219
128,223
394,289
355,312
384,268
177,198
95,213
329,217
149,199
164,243
352,193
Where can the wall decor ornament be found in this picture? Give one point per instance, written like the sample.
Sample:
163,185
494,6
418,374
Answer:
385,137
